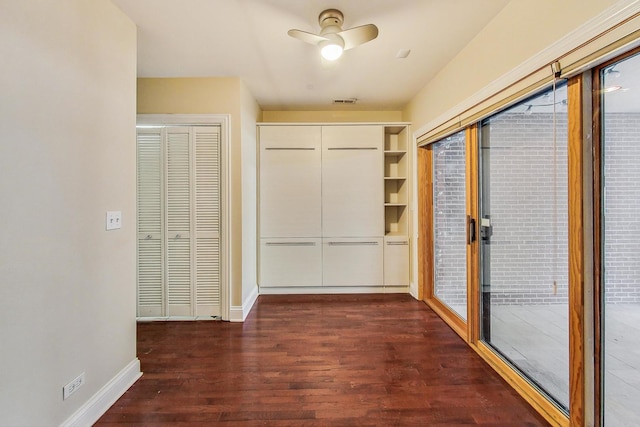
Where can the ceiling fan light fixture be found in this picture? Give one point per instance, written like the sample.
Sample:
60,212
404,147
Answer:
332,48
333,40
331,51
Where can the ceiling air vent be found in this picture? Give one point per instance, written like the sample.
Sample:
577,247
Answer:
345,101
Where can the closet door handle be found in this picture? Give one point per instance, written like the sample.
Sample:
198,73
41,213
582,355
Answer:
289,148
353,243
290,244
352,148
471,232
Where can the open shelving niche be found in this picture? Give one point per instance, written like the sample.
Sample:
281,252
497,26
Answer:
396,183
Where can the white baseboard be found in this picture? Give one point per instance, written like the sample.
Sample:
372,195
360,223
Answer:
413,290
100,402
239,314
302,290
176,319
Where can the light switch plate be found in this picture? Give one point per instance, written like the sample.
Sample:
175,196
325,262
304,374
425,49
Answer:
114,220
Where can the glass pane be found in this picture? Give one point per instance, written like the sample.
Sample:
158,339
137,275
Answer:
523,237
449,223
621,242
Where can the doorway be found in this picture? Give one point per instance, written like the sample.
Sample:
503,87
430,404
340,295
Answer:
182,189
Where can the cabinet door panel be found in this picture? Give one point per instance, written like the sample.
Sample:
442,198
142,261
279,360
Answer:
290,262
352,185
396,261
290,181
352,262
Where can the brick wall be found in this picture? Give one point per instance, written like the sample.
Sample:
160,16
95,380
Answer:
450,221
529,254
622,214
528,207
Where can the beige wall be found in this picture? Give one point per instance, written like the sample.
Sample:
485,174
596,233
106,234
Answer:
330,116
67,155
214,95
207,95
251,114
520,31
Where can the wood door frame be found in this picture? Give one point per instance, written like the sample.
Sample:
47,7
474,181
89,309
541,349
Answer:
473,246
426,238
425,219
224,121
580,222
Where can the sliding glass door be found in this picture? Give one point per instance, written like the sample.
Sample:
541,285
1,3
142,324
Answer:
523,240
620,240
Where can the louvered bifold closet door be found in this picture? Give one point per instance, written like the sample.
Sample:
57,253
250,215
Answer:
178,214
149,210
207,220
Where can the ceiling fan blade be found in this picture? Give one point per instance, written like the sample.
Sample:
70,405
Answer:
358,35
306,37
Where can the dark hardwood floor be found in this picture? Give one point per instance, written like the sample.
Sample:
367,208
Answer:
341,360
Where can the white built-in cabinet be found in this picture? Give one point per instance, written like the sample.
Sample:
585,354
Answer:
178,221
333,206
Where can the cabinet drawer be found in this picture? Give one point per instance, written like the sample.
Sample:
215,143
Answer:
352,262
290,262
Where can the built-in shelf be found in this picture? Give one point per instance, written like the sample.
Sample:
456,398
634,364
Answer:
396,234
395,166
396,186
394,153
396,220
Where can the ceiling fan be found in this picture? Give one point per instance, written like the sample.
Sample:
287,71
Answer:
333,40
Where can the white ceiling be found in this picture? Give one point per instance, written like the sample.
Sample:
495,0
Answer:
248,39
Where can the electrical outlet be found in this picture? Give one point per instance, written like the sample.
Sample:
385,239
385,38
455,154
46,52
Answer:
74,385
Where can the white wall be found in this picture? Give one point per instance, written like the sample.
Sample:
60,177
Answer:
67,155
250,114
